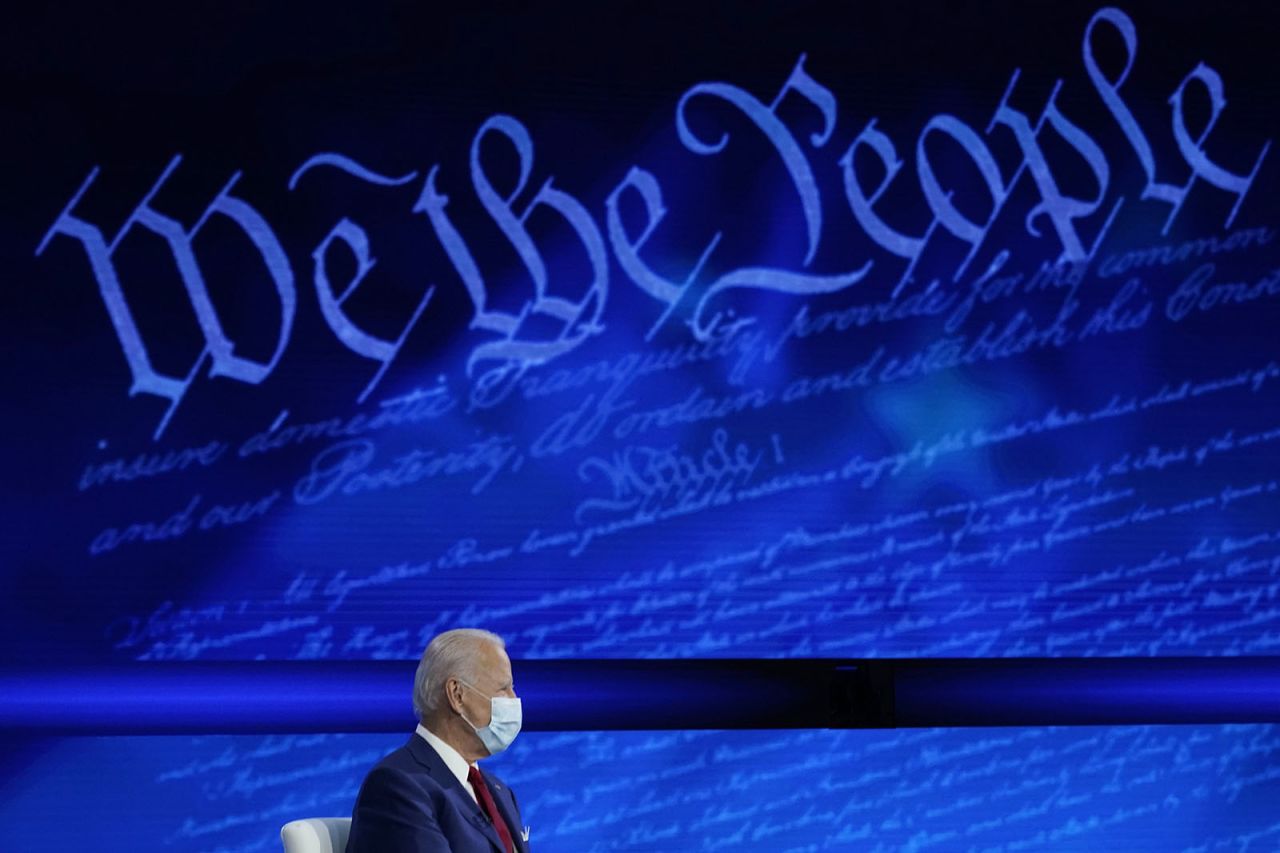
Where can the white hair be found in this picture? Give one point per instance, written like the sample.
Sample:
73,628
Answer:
448,655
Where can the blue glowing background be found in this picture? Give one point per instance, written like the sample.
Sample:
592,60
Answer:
794,331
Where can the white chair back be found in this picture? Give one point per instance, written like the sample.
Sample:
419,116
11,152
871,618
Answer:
316,835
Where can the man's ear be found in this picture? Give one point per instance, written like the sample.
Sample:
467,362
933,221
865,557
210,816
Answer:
453,692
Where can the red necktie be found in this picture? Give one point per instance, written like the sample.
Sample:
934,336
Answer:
490,807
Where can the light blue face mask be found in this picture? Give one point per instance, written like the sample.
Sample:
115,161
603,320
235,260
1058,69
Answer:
505,718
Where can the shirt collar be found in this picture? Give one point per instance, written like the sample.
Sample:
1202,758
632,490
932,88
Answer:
457,765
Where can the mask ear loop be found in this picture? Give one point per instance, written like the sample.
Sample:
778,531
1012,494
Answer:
461,713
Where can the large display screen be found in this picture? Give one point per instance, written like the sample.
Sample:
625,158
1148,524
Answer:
795,330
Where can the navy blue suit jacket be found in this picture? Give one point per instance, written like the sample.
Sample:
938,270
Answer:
411,803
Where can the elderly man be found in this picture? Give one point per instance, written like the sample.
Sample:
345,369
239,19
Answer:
429,796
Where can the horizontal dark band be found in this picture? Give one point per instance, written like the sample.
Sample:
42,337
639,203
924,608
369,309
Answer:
591,695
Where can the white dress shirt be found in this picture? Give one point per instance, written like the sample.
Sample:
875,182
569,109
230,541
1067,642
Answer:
457,765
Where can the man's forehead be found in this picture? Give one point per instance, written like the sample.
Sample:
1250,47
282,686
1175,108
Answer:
493,658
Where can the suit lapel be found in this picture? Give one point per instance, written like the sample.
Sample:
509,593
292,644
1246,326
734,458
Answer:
457,794
507,807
